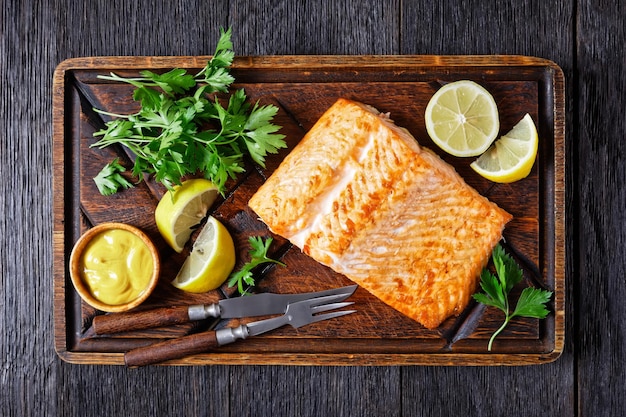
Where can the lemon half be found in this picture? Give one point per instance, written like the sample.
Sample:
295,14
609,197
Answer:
511,157
180,210
211,260
462,118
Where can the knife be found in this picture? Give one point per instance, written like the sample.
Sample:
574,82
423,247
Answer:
245,306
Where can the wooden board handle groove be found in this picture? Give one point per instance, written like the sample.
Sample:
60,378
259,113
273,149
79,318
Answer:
125,322
171,349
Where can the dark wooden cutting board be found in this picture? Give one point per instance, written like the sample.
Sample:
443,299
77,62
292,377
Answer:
303,87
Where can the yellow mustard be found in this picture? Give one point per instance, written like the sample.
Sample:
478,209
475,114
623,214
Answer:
117,266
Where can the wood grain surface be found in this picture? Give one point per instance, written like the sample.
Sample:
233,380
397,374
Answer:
584,37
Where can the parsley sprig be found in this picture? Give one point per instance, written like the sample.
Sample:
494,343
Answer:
184,129
258,256
531,302
110,179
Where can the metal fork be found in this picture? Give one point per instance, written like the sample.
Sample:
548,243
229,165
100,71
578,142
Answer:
297,315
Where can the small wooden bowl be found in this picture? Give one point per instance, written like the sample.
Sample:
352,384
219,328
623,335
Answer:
76,267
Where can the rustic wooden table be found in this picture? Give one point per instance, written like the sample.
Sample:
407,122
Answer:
585,38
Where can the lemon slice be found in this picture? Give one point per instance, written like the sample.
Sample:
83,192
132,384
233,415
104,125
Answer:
512,156
182,209
210,262
462,118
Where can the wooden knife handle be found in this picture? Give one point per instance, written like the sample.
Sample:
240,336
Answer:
125,322
171,349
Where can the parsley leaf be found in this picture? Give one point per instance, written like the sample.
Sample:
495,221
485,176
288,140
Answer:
215,75
182,129
260,135
258,256
109,179
531,302
175,81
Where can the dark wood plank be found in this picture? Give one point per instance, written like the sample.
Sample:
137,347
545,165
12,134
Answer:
116,391
517,391
315,391
542,29
599,158
29,368
37,35
283,27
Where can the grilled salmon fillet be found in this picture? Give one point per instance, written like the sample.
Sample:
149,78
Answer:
360,195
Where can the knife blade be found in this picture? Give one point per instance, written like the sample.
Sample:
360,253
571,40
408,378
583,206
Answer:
245,306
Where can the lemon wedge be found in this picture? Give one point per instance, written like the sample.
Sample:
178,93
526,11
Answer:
182,209
210,262
511,157
462,118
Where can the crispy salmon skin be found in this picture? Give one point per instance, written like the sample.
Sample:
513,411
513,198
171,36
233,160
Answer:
360,195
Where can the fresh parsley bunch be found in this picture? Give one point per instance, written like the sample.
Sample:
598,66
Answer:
183,129
531,302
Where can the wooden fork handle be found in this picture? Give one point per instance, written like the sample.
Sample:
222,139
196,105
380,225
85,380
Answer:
171,349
